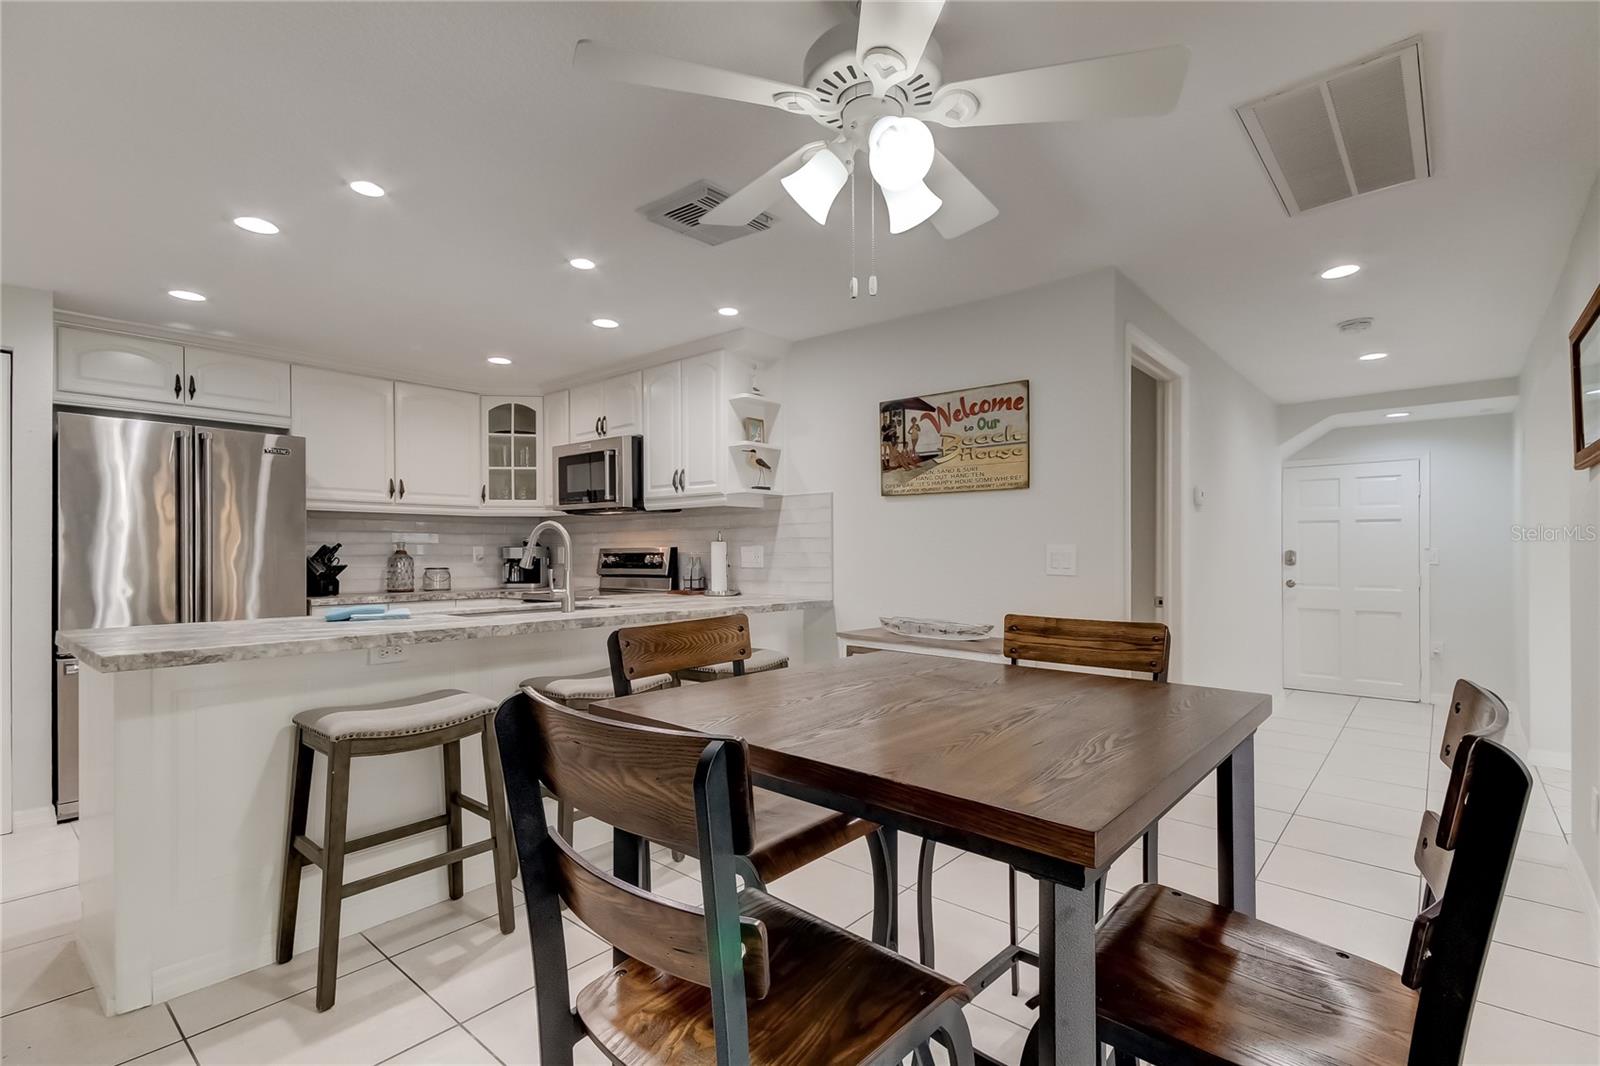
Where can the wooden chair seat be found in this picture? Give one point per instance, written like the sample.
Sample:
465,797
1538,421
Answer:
791,833
1181,979
844,1000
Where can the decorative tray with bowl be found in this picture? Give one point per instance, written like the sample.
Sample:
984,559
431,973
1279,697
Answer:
934,629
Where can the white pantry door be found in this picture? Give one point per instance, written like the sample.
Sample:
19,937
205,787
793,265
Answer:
1352,599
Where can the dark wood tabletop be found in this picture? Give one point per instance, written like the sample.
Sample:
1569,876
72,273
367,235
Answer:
1069,766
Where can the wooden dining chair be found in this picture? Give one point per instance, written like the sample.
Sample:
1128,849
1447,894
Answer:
1181,980
1139,647
789,833
744,979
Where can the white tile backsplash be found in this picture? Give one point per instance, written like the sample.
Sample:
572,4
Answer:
795,533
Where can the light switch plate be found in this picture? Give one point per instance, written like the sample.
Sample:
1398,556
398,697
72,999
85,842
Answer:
1061,560
752,557
477,553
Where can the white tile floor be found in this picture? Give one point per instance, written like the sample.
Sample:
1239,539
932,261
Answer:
1341,784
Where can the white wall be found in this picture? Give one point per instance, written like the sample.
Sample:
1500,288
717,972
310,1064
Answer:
976,556
1559,580
1470,511
27,328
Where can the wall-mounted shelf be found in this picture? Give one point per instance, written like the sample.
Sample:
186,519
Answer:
753,405
769,452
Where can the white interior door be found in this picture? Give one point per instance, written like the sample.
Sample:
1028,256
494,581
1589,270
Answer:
1352,599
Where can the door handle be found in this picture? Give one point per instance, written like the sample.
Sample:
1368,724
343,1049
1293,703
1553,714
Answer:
402,488
203,533
391,488
177,386
191,386
483,494
1289,584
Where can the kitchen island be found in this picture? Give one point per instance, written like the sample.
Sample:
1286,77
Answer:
186,748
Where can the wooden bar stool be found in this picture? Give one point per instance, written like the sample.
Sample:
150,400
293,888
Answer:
437,719
1138,647
739,978
761,660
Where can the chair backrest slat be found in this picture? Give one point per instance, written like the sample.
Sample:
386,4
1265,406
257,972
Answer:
637,778
640,651
1141,647
1475,714
663,933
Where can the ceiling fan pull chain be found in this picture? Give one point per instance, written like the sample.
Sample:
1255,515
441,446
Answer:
872,245
855,281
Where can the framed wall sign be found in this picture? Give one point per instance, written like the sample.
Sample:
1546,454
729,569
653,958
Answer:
969,440
1585,339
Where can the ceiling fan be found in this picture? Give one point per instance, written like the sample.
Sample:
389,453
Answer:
875,85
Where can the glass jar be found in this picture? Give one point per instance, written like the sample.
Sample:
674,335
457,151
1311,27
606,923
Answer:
436,579
400,575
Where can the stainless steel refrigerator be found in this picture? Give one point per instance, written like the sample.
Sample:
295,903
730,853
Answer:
160,522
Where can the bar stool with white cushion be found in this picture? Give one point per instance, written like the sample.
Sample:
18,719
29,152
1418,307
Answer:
436,719
761,660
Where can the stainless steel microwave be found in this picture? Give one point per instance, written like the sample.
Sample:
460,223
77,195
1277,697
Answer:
604,476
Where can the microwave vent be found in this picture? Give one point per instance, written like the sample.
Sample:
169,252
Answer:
1354,131
682,211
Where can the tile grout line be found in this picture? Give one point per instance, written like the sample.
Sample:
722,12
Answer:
265,1006
186,1046
1315,774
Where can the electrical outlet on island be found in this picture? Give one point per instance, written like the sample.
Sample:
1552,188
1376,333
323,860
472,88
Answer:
385,656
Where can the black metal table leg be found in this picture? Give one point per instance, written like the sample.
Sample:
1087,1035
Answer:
1236,829
1066,1030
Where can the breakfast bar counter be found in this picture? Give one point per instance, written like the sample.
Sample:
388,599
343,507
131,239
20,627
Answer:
185,763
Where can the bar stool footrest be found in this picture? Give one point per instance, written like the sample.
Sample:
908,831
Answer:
432,862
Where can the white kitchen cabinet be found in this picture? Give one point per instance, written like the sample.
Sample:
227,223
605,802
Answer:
513,462
348,423
126,368
557,431
705,416
608,408
435,446
226,382
663,430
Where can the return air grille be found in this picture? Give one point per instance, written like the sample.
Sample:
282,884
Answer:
1353,131
682,211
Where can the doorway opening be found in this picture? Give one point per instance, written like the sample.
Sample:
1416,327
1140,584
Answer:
1156,401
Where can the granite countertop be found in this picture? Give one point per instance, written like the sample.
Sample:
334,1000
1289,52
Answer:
193,643
492,592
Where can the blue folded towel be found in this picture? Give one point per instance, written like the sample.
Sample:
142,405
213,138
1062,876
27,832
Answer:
367,612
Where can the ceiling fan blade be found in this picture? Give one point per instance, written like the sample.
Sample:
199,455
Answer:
1116,86
679,75
965,207
760,194
901,25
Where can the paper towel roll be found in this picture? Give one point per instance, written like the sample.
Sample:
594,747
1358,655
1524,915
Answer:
719,566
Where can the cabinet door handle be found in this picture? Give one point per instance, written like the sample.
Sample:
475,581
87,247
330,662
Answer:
191,386
391,488
402,488
483,494
177,386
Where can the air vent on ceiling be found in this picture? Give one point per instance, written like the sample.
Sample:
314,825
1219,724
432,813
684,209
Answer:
1356,130
682,211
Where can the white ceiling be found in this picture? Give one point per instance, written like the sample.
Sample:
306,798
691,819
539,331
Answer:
133,132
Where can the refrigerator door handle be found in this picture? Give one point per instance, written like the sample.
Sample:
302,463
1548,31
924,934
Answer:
202,515
183,489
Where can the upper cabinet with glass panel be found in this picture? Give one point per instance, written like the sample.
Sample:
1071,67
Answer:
1585,339
511,451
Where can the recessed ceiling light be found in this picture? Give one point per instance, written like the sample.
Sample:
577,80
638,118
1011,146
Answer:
186,294
1398,414
499,360
1373,357
727,312
366,188
607,323
581,263
255,225
1344,270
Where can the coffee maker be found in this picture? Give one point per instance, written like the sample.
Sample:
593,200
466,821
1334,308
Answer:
514,573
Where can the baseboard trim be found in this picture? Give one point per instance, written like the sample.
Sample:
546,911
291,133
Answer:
1591,908
33,818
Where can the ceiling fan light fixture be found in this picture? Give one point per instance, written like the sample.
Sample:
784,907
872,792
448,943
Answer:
899,151
911,206
816,185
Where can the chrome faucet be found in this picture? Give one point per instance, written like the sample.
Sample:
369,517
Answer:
568,602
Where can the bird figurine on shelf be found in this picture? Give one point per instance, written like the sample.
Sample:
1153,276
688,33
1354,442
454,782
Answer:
763,468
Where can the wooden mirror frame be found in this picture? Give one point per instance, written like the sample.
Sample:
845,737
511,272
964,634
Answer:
1583,457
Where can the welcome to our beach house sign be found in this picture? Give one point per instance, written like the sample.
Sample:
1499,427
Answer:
970,440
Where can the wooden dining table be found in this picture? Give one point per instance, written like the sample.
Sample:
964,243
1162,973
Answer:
1054,772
